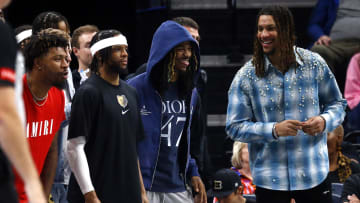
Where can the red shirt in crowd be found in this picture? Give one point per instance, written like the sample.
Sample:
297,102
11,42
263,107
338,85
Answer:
43,120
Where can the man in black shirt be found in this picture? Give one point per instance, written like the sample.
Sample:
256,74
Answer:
105,126
12,133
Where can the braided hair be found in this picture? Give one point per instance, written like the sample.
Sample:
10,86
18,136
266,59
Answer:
48,19
344,170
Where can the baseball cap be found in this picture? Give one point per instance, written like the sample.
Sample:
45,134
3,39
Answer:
225,182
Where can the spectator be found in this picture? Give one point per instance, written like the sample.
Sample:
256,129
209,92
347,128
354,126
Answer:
189,24
240,164
336,24
199,143
23,34
322,20
168,102
282,103
341,167
352,94
227,187
105,126
55,20
46,65
351,189
81,48
50,19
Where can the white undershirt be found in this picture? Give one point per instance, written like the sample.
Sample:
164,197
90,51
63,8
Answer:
79,164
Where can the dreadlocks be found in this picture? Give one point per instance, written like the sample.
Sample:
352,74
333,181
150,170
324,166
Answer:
286,38
104,54
165,72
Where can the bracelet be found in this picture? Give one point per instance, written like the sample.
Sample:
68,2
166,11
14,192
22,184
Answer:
324,122
274,132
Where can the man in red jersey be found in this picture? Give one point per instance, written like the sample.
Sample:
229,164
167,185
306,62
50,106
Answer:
46,66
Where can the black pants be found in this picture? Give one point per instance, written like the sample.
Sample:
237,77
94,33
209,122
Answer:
319,194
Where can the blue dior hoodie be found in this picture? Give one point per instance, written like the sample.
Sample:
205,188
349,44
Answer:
151,104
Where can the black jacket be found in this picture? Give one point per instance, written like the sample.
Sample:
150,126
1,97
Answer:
351,186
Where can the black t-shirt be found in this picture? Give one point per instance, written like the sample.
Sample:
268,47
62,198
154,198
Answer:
109,118
8,50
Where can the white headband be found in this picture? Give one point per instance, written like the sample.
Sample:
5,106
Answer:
23,35
117,40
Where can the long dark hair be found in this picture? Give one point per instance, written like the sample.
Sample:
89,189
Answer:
104,54
163,71
286,37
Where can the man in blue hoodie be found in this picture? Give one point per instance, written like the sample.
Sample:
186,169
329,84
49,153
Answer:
168,100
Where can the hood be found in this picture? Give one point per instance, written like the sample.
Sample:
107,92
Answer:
168,36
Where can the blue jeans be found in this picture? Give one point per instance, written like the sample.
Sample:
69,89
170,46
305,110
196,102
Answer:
59,193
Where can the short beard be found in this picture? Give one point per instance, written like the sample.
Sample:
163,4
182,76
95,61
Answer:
116,69
60,85
123,73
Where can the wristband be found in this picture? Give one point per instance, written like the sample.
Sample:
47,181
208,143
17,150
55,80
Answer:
274,132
